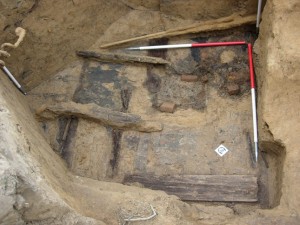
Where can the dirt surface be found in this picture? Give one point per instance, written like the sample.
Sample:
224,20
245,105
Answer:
206,115
279,93
55,173
54,31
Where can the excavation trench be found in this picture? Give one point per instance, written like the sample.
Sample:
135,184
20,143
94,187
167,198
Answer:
201,99
114,125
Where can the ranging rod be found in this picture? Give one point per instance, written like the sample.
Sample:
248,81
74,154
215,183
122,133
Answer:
254,111
194,45
13,79
251,70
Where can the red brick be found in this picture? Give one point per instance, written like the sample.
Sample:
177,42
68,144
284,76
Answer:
233,89
189,78
167,107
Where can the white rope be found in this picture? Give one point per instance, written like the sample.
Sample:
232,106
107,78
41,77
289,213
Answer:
20,32
142,218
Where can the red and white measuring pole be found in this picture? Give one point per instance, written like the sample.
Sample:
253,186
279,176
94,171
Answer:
194,45
254,112
216,44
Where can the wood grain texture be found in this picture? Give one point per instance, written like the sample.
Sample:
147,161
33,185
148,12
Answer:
121,57
227,188
100,114
210,25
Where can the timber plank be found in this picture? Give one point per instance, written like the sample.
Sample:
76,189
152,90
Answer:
224,23
227,188
100,114
121,57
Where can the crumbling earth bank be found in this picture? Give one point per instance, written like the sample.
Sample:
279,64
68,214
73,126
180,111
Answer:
57,28
36,185
278,69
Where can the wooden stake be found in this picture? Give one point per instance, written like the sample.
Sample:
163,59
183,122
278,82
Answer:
210,25
99,114
120,57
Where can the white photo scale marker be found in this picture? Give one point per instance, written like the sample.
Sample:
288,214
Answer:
216,44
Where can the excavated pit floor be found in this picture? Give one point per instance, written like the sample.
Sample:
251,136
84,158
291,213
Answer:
208,113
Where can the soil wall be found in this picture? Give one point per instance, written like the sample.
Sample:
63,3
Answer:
55,29
277,70
37,188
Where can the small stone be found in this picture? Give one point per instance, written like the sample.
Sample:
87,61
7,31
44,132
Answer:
20,202
189,78
150,126
238,78
204,79
227,56
167,107
233,77
233,89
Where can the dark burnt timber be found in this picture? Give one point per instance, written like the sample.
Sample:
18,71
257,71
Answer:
116,138
211,188
121,57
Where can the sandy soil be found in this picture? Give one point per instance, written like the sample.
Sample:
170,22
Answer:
37,186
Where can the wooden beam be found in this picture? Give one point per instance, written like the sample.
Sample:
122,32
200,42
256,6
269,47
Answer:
121,57
96,113
206,26
220,188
